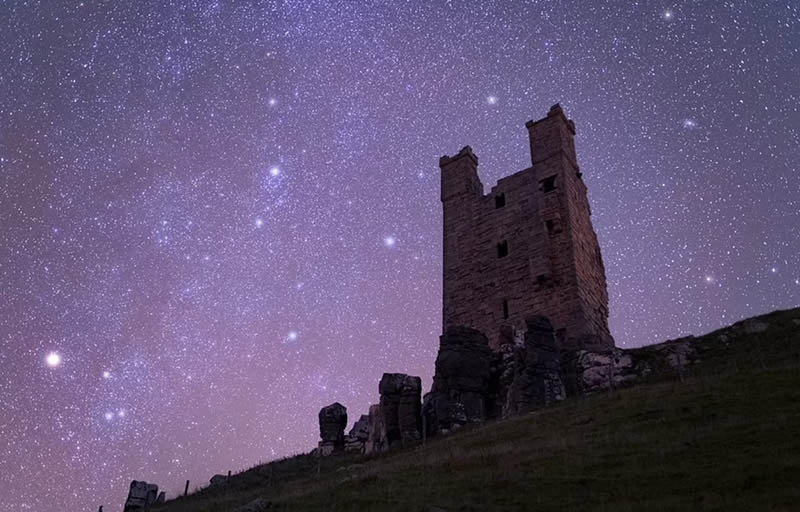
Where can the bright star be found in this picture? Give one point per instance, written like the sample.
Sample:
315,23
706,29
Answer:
106,374
389,241
689,123
259,223
491,100
292,335
274,171
53,359
121,413
773,270
709,279
109,416
668,15
273,102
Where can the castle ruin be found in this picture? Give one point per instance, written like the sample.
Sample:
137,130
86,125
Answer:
527,248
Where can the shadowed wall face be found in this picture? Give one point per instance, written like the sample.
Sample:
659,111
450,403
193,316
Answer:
528,247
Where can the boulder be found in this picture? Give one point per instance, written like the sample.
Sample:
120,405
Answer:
257,505
332,422
219,480
600,371
140,495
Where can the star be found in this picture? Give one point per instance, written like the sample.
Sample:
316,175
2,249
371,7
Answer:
389,241
259,222
274,171
292,336
491,100
668,15
689,123
106,374
53,359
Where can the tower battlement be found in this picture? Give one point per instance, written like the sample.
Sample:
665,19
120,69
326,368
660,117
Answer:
527,247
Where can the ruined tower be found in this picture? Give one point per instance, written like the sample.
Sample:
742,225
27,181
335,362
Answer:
526,248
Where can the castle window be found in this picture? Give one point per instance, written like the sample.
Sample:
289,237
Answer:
502,249
505,309
541,279
548,184
499,201
551,226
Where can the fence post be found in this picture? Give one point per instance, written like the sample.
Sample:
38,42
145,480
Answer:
186,489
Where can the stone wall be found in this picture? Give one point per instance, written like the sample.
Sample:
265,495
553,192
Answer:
526,248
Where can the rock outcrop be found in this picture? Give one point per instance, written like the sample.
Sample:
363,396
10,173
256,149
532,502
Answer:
377,440
356,439
474,383
536,370
601,371
461,391
332,422
401,406
397,419
141,495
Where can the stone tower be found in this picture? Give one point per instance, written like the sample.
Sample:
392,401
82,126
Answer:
528,247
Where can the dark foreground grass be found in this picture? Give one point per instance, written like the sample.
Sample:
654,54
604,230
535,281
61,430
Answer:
728,439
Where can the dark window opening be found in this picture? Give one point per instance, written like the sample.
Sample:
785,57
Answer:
551,226
541,279
505,309
549,184
502,249
499,201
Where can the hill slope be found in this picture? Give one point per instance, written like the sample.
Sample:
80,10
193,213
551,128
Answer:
723,438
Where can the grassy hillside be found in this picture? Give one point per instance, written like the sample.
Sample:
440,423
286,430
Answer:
727,437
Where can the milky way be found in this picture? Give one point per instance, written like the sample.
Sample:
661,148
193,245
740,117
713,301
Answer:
219,217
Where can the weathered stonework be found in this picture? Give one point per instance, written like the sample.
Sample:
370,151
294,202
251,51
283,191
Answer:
461,392
537,378
397,420
528,247
141,495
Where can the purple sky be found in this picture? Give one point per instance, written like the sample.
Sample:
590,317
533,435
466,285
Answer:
217,217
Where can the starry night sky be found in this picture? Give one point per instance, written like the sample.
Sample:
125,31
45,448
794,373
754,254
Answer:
218,217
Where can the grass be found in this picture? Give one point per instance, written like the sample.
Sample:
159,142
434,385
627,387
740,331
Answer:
725,438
